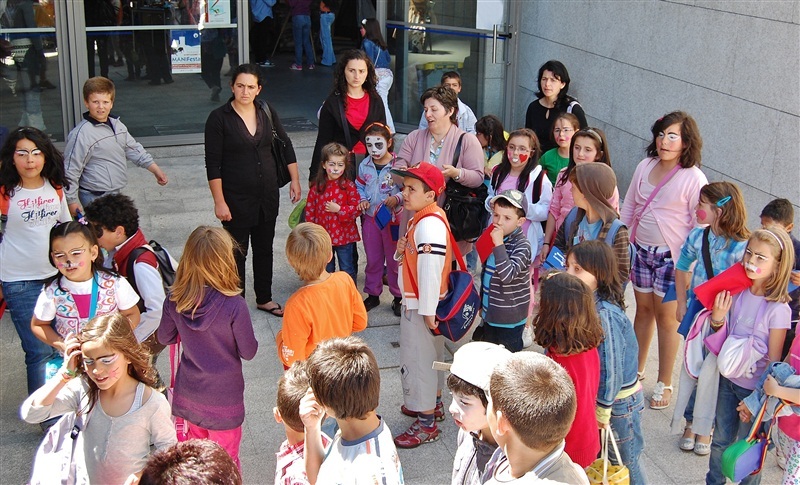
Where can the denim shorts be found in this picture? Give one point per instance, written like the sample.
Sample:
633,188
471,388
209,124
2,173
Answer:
653,270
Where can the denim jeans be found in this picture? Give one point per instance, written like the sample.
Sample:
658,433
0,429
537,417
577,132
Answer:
325,22
85,197
21,298
727,430
344,254
301,32
626,421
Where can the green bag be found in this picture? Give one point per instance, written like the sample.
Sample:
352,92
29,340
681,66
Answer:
298,214
746,457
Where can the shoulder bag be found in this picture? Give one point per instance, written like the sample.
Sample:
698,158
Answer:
278,150
602,470
739,354
464,206
746,457
60,458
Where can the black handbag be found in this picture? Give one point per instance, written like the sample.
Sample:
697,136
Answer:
465,206
278,151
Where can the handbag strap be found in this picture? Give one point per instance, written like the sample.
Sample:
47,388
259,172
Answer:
456,253
658,187
457,153
345,128
265,107
707,253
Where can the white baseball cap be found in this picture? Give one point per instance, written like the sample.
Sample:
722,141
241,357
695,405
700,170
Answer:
475,361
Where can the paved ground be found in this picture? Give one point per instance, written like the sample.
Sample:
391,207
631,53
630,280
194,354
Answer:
169,214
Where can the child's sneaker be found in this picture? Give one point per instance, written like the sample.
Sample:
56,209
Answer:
417,435
311,67
296,67
371,302
438,412
397,305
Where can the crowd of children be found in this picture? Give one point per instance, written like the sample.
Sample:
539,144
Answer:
93,303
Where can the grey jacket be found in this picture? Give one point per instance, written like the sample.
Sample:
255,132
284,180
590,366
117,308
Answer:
95,155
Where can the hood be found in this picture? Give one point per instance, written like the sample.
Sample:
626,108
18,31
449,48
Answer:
208,311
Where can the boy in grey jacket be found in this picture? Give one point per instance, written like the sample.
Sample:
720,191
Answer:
505,278
98,147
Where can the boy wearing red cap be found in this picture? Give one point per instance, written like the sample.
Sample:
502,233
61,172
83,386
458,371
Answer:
424,255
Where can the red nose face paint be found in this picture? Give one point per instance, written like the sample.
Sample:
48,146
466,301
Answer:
701,215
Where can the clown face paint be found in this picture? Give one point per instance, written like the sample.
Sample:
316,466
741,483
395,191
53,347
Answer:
334,167
103,365
377,147
73,257
759,262
705,212
518,151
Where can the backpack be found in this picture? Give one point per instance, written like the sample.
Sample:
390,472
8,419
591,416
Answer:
5,201
610,235
166,267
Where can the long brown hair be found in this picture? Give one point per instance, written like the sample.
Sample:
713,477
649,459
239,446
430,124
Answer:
114,331
597,258
732,221
333,149
691,155
207,260
567,322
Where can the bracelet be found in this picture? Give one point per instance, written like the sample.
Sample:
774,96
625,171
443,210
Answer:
716,323
65,377
71,373
546,244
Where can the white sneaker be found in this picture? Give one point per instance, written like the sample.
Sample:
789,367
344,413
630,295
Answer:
527,337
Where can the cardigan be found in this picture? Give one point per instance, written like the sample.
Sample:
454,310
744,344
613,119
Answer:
331,128
244,163
673,206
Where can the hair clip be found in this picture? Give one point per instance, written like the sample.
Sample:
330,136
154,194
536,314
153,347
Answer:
723,201
363,21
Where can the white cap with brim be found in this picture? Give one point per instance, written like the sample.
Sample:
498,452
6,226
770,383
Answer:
475,361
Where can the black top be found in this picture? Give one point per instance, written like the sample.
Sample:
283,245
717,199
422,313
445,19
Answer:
244,162
331,123
540,119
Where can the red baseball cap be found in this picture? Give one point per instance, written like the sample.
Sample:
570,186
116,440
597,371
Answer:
428,173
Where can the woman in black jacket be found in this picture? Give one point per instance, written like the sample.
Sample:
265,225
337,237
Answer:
352,105
243,177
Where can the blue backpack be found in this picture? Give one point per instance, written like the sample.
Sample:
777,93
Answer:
610,235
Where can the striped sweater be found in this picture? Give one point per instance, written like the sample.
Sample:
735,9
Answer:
506,298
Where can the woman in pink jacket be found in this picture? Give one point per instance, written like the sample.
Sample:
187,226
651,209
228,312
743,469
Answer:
659,210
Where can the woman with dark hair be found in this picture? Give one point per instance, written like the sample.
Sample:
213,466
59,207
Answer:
376,50
553,82
242,176
353,105
31,182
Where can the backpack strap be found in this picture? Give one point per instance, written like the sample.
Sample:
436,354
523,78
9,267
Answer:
611,235
131,275
707,253
569,222
572,105
456,252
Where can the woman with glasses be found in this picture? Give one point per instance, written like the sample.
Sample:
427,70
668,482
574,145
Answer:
553,82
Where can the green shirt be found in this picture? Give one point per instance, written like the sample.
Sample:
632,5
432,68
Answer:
552,162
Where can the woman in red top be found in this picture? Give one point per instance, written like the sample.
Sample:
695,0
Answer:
569,328
352,105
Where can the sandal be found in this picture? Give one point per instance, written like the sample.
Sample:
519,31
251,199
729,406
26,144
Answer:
702,449
658,396
640,375
686,443
276,311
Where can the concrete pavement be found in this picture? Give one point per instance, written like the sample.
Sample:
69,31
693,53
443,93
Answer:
168,214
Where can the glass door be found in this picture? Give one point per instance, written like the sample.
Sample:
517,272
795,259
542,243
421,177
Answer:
432,37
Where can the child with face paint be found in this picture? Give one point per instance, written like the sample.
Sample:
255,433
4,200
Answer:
333,203
721,209
554,160
761,313
376,187
114,391
586,146
82,289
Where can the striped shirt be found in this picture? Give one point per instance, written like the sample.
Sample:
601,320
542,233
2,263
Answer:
371,459
505,282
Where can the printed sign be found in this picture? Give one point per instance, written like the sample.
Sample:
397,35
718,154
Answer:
185,51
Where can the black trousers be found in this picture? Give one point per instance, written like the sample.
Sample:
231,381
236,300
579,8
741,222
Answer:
262,39
260,237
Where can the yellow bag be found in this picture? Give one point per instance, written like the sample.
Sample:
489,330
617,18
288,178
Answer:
602,471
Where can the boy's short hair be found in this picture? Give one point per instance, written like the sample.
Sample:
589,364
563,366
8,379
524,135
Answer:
292,386
451,75
98,84
780,211
502,202
344,375
112,210
457,385
308,250
333,150
537,397
191,462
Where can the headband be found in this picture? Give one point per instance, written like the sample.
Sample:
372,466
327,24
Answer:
780,243
593,134
378,123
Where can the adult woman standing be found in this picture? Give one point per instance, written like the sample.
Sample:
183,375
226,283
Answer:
242,177
437,143
553,82
352,105
659,210
375,47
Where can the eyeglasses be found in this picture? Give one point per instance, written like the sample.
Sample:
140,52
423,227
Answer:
565,131
28,153
516,149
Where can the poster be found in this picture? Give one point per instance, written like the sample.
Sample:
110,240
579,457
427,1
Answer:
185,51
218,11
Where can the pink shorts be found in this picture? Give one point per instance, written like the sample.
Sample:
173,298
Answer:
229,439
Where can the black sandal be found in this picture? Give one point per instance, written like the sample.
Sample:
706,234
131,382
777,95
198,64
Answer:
272,311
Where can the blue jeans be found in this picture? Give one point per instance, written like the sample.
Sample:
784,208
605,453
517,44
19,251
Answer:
344,254
325,22
727,430
86,197
301,31
626,421
21,299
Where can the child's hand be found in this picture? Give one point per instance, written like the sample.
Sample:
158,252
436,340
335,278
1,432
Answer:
74,208
681,310
771,386
545,252
744,414
363,205
391,202
401,245
722,303
497,236
795,277
430,321
333,207
160,176
311,413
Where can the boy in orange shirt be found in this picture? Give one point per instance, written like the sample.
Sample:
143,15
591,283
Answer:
328,305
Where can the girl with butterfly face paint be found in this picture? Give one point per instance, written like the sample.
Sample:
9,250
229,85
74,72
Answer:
379,199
